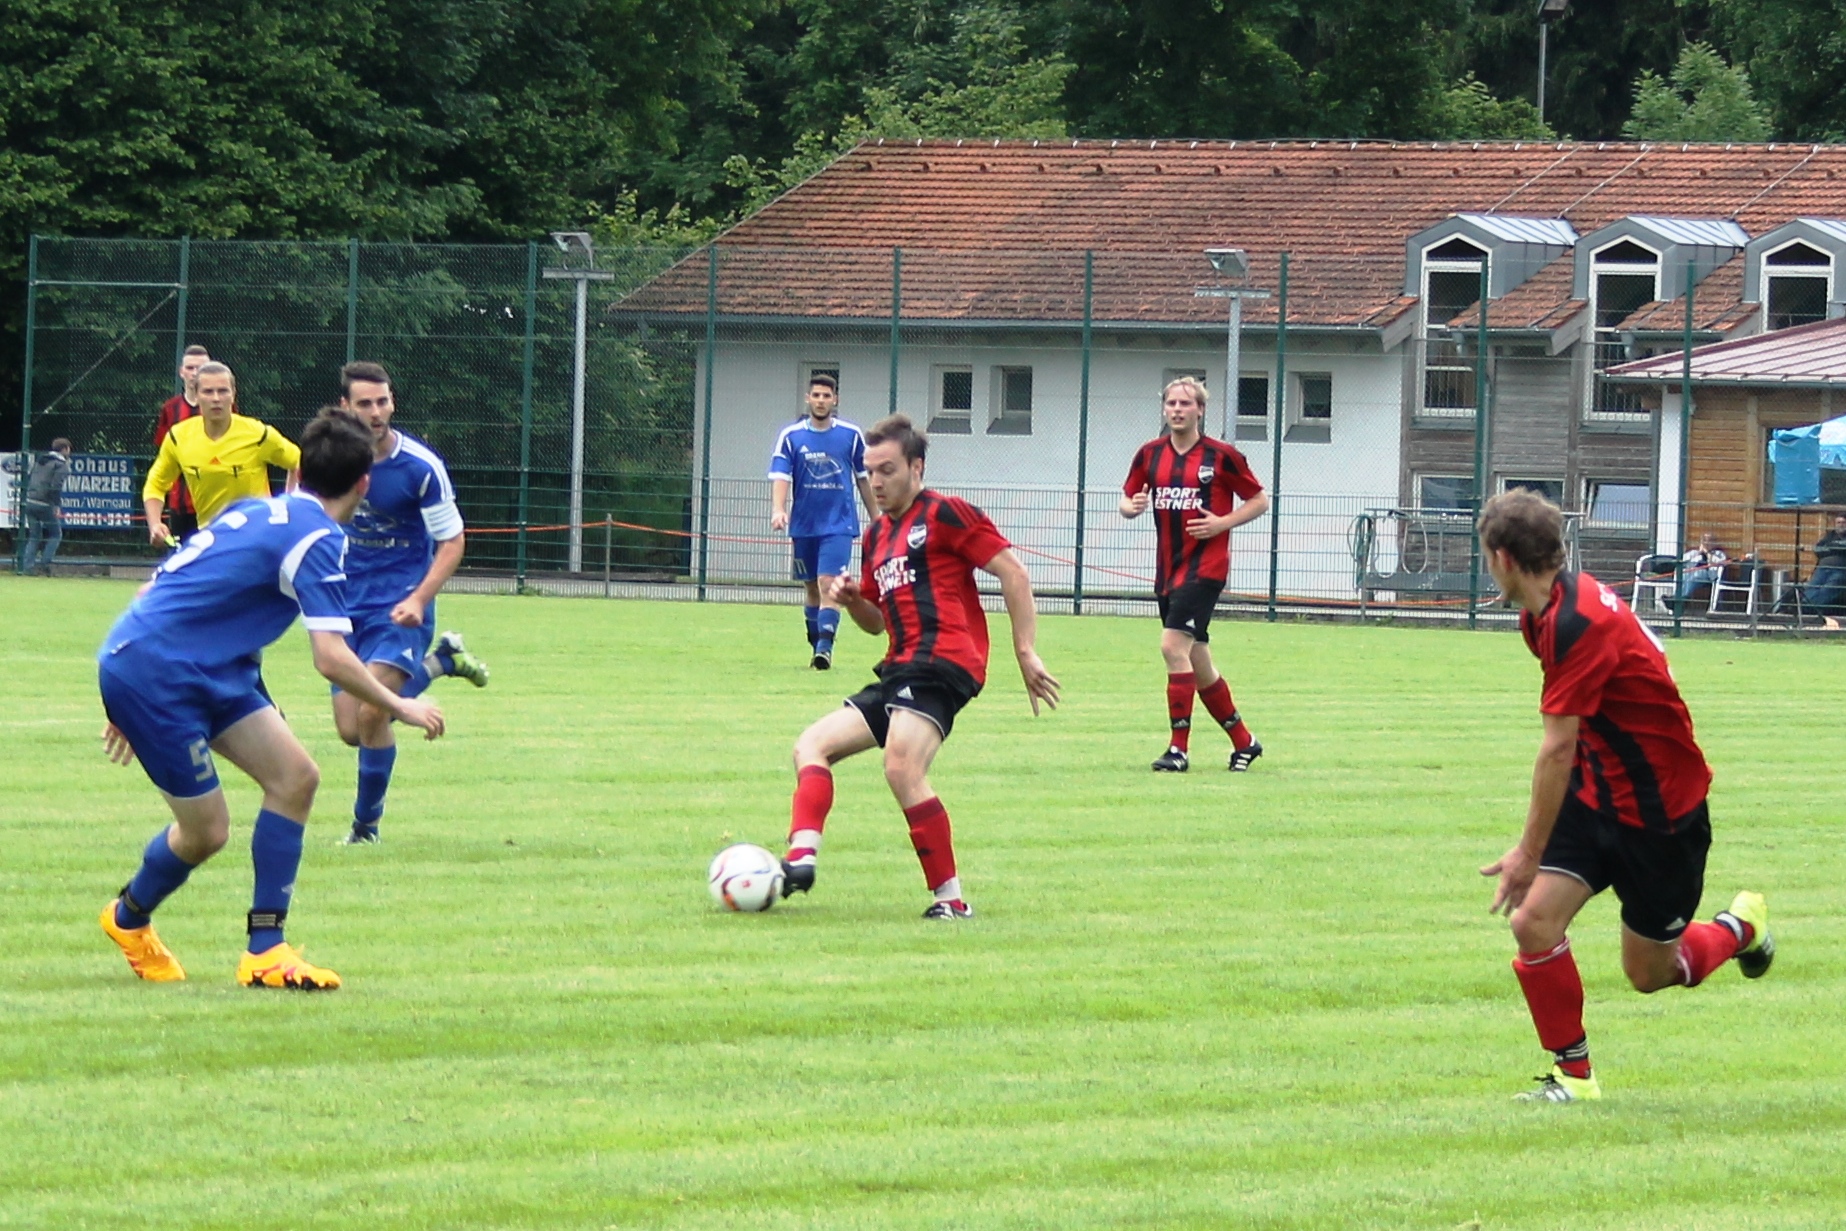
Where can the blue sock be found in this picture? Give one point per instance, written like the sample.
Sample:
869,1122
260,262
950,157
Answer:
444,660
829,625
374,780
275,852
161,873
812,615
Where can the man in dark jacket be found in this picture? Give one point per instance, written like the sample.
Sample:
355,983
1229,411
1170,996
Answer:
44,495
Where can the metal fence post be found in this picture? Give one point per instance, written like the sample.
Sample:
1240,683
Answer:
525,411
1685,458
711,362
1275,467
179,312
25,411
897,313
1480,451
352,299
1083,430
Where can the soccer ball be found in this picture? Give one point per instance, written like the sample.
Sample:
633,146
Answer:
745,877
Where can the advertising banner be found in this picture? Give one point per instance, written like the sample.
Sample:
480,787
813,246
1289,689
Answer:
101,493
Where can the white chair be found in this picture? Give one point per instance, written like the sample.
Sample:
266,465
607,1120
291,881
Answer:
1736,578
1653,574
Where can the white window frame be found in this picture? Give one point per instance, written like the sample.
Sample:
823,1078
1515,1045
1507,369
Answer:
1794,271
1000,421
1609,525
1506,483
1601,336
1440,265
951,422
1297,407
1253,427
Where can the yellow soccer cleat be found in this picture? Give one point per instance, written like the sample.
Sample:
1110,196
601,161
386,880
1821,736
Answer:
147,956
1754,958
283,966
1557,1086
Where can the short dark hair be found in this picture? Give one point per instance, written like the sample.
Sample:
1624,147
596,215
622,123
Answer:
195,349
366,370
821,378
898,428
1528,527
336,452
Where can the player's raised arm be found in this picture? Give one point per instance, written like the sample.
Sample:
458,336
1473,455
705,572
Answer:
1022,612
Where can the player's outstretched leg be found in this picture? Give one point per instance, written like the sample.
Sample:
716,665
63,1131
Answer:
833,738
1215,692
450,656
910,747
1553,988
127,919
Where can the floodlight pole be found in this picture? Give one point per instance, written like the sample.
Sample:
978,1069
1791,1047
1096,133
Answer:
1685,457
583,276
1275,467
1480,452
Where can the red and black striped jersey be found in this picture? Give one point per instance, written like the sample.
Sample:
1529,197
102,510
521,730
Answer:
919,569
1637,762
1210,477
175,410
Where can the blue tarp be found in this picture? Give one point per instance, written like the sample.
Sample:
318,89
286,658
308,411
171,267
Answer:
1801,453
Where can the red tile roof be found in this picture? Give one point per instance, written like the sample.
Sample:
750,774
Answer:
1805,355
1717,305
994,230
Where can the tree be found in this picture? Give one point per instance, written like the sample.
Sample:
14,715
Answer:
1705,100
1795,51
1468,111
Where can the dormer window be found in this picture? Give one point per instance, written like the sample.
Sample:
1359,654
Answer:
1451,285
1797,283
1623,277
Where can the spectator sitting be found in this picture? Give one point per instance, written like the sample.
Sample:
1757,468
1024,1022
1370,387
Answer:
1825,591
44,516
1701,566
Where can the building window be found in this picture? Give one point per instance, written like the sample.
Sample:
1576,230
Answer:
1445,493
1550,489
1617,506
953,413
1310,413
1797,283
1012,403
1252,420
1623,276
1451,286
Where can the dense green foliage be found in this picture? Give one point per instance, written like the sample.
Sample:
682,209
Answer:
1271,1001
1705,99
477,119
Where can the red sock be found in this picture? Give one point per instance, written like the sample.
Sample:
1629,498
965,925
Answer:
1217,699
1703,947
1554,994
929,833
813,800
1182,686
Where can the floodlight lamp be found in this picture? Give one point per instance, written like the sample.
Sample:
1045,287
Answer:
575,245
1231,262
1551,10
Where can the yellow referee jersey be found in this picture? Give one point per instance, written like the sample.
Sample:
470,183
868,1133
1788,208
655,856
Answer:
219,472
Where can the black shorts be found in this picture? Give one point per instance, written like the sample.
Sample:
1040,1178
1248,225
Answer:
1189,608
935,694
1659,877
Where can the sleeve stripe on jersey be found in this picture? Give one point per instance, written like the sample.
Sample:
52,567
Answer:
327,624
430,458
443,521
285,577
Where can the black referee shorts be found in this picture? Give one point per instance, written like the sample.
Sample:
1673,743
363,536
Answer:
1189,608
1659,877
936,695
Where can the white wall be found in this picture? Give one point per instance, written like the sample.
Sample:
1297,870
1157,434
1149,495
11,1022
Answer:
1027,483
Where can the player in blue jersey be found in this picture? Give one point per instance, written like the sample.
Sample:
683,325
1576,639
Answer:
178,674
819,461
406,542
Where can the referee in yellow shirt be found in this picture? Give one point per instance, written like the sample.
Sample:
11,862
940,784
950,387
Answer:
224,456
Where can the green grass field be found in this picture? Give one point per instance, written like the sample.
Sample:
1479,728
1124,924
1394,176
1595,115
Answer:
1272,1000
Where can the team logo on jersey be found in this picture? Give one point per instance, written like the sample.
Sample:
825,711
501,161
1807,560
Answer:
918,535
821,466
1177,499
894,574
1206,472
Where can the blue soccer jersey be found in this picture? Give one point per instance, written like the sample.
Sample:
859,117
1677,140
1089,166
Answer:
409,509
822,468
236,586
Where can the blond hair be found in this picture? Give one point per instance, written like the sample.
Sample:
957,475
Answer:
1192,384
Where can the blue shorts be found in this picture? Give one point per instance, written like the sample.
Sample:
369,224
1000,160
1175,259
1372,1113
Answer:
824,555
375,639
171,712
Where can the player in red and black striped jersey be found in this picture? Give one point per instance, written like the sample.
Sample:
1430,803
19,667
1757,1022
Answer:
1194,485
918,587
182,518
1618,799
